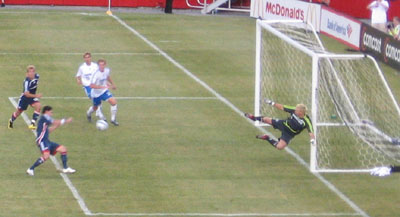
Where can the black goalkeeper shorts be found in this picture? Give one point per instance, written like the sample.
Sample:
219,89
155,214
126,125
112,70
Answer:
286,135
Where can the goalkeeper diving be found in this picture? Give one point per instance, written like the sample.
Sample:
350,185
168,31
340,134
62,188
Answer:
292,126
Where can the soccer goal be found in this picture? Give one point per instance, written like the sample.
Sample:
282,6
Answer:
355,116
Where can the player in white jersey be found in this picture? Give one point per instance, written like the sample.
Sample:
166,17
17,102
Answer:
84,76
100,83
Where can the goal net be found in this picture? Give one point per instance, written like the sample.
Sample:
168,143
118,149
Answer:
354,113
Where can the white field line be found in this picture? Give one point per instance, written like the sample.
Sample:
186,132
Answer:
56,12
67,181
74,54
87,212
234,108
131,98
226,215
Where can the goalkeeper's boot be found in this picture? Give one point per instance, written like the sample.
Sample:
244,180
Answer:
32,126
68,170
263,137
250,116
10,124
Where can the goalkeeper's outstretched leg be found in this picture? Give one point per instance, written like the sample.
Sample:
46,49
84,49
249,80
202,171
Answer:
279,144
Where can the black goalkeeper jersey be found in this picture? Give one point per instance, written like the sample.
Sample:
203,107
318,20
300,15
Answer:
295,124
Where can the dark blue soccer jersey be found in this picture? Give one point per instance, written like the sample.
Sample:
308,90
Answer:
42,131
30,85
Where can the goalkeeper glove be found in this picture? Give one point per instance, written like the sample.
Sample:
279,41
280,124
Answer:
270,102
312,141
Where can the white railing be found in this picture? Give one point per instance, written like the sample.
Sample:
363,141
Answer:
204,4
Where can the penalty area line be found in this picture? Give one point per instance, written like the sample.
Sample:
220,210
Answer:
66,179
328,184
131,98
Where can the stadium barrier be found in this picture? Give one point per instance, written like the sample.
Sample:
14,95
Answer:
380,45
340,27
177,4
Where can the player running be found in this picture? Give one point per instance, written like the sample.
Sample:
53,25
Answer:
297,122
100,83
84,76
46,125
28,97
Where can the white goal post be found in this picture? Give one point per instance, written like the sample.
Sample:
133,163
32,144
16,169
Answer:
353,110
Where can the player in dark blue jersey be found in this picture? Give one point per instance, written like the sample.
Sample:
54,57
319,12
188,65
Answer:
45,126
292,126
28,97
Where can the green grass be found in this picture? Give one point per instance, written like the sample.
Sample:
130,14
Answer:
168,156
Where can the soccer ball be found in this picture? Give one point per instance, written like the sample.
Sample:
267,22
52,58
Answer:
101,125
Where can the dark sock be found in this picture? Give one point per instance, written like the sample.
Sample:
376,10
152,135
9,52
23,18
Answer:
35,116
37,163
395,169
13,117
64,160
272,141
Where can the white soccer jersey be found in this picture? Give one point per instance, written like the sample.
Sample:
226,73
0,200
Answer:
86,72
100,78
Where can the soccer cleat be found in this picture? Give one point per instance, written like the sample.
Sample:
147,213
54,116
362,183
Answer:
10,124
263,137
32,126
68,170
115,123
30,172
250,116
89,117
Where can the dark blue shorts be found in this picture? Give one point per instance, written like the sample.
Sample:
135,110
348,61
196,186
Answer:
87,91
103,97
286,135
48,146
24,101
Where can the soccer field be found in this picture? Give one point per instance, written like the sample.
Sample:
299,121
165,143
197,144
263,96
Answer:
182,147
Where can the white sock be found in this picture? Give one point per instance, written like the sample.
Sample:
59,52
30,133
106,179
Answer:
113,112
90,111
99,113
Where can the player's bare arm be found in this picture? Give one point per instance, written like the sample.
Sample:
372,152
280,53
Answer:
79,80
95,86
29,95
57,123
110,81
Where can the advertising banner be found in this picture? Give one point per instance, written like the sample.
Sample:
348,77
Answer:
380,45
287,10
341,27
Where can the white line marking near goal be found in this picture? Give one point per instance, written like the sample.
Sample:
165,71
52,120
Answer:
234,108
74,54
132,98
166,41
226,215
67,181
